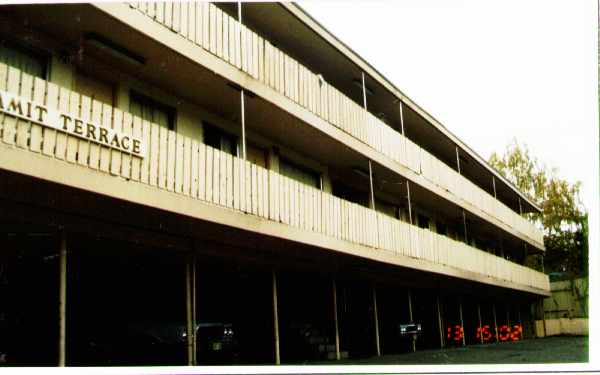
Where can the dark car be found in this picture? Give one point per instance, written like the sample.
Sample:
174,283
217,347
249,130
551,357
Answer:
410,330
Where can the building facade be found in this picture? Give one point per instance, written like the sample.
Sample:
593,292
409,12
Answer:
192,183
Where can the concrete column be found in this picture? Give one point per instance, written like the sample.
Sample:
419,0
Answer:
462,325
190,271
495,323
410,315
62,301
440,322
376,317
276,320
335,320
480,326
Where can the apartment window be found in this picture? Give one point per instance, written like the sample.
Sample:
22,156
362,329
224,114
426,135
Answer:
24,59
299,173
94,88
423,221
150,110
386,208
219,139
256,155
442,228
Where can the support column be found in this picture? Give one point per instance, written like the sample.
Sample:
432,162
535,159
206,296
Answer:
520,321
457,160
462,325
480,326
364,90
62,301
465,225
494,186
541,304
409,205
410,315
335,320
190,277
371,186
401,118
520,207
495,322
243,117
242,98
440,323
376,316
276,320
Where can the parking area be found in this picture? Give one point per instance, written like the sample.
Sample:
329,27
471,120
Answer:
561,349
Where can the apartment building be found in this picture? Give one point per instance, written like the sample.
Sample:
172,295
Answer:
190,183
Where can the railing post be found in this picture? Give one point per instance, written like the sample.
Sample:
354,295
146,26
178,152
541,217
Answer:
375,313
276,319
335,321
62,300
410,316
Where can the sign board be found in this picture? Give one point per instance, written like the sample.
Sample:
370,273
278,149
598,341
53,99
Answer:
88,130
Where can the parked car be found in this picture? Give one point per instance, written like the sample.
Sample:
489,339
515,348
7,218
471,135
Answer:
409,330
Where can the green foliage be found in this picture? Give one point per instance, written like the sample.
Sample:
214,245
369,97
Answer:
563,219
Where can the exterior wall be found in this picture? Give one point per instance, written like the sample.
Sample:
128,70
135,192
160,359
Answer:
568,299
263,62
562,326
178,164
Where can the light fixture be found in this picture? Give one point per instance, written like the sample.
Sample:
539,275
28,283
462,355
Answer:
114,50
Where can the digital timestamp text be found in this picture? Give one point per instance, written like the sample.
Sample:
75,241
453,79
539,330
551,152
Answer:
486,333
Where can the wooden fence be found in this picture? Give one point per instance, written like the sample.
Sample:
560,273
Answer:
179,164
208,26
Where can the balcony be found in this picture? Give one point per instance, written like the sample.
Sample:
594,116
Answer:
215,31
166,161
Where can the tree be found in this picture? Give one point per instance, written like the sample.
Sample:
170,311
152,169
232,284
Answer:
563,219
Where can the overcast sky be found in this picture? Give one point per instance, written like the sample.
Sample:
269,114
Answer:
490,71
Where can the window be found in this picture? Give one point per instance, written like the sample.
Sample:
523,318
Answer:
386,208
299,173
256,155
24,59
441,228
94,88
151,110
423,221
219,139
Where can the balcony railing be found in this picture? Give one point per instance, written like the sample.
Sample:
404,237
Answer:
178,164
207,26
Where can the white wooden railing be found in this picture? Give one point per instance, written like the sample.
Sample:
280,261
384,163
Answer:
179,164
207,26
